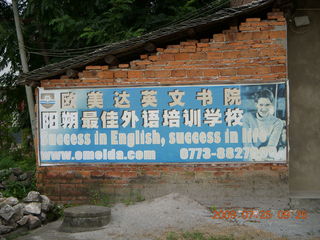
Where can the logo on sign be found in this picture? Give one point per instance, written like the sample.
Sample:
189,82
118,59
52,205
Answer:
47,100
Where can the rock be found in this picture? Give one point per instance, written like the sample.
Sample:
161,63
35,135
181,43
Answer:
33,222
23,177
11,201
30,174
6,211
33,208
23,220
2,187
4,172
33,196
46,203
2,200
43,217
18,211
26,182
12,223
5,229
12,178
16,171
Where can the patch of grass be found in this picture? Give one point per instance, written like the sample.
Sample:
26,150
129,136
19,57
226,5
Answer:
213,208
172,236
99,198
18,233
195,236
14,159
133,198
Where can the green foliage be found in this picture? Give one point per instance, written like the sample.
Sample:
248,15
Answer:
172,236
14,159
16,189
56,212
213,208
99,198
133,198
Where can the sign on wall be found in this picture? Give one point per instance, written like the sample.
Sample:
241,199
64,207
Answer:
204,123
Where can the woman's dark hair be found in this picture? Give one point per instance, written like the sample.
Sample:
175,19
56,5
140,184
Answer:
264,93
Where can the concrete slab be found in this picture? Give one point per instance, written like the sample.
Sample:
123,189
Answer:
85,218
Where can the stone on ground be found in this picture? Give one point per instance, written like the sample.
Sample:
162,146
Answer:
85,218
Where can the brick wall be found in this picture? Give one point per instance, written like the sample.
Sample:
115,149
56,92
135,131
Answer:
255,51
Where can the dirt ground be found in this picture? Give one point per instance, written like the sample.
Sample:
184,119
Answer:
155,219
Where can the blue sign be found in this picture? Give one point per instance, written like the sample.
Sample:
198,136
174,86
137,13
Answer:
203,123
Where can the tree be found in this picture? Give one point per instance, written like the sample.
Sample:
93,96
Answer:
59,29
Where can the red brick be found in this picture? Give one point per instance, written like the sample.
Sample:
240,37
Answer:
281,19
67,174
274,15
250,54
163,74
141,63
53,174
246,71
149,74
203,45
97,174
144,56
234,28
194,73
121,74
172,50
205,40
260,35
231,54
210,72
64,77
219,37
230,37
181,56
135,74
277,34
129,174
89,74
214,55
173,46
93,67
242,36
167,57
198,56
277,69
253,19
153,58
106,67
178,73
115,174
247,29
84,174
227,72
124,65
189,43
105,74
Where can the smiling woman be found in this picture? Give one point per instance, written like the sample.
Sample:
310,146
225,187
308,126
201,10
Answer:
261,128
